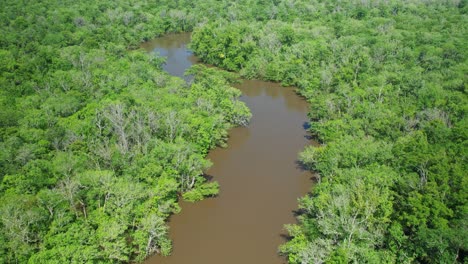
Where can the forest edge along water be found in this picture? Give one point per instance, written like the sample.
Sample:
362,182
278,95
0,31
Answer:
259,176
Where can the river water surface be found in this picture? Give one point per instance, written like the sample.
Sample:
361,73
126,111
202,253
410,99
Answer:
258,174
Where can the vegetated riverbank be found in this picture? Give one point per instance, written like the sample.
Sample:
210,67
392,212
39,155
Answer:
258,174
96,141
387,82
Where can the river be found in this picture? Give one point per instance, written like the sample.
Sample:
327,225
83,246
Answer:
258,174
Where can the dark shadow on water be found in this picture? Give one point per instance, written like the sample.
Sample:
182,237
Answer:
286,237
301,166
299,212
207,177
315,178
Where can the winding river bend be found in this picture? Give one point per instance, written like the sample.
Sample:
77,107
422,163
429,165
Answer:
258,174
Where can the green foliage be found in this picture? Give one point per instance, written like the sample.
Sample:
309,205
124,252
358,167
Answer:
202,191
386,82
96,141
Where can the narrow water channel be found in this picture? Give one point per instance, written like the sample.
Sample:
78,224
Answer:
258,174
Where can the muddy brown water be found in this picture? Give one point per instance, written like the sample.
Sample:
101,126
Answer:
258,174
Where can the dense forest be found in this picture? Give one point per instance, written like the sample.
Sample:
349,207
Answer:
97,143
386,84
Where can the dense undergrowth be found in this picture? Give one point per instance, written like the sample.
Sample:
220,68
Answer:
97,142
386,81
